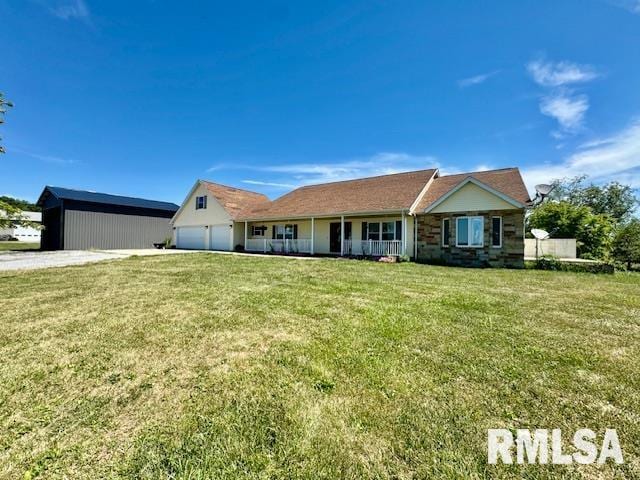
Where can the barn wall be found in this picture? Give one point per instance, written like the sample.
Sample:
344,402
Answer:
85,229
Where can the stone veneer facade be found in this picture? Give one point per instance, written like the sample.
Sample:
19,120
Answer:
511,254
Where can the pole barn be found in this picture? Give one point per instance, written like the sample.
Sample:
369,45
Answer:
79,220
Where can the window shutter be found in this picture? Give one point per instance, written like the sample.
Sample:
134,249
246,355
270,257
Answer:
446,232
398,229
273,232
496,231
295,231
364,231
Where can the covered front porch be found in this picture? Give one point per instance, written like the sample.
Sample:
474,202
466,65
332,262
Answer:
370,235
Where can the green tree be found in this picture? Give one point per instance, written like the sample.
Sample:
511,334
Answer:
593,232
613,199
21,204
626,243
11,216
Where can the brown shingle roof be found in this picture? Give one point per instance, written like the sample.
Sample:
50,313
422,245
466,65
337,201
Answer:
235,201
507,181
374,194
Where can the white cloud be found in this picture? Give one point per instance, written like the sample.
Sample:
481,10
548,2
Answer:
70,9
477,79
632,6
300,174
561,102
222,166
569,110
613,158
44,158
483,167
550,74
269,184
379,164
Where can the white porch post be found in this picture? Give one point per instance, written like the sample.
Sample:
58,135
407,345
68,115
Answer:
415,237
404,233
312,233
246,233
342,235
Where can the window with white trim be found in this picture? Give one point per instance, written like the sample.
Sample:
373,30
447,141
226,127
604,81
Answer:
388,230
470,232
201,202
446,231
373,231
496,232
285,232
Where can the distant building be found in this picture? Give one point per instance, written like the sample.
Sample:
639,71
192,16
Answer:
23,234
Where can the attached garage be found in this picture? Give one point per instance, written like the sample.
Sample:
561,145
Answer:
220,237
207,218
79,220
209,237
191,238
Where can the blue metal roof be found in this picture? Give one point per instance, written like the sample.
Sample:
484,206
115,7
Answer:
105,198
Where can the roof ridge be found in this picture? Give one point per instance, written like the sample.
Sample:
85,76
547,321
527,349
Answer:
231,186
364,178
110,194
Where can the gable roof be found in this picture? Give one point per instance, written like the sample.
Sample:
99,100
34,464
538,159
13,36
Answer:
383,193
235,201
506,182
104,198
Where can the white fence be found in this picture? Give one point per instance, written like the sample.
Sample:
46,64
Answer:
558,247
374,248
300,245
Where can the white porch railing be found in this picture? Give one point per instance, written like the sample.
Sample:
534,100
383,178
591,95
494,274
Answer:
267,245
376,248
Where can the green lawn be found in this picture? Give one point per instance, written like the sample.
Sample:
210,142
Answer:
11,246
213,366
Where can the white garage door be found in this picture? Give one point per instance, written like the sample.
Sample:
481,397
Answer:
220,237
192,238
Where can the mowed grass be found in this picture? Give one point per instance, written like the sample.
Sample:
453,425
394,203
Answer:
17,246
216,366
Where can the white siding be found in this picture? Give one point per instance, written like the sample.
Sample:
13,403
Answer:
472,198
214,214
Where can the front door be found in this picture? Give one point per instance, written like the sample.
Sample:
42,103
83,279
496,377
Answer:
334,235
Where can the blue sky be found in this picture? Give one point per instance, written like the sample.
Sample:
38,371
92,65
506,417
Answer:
142,98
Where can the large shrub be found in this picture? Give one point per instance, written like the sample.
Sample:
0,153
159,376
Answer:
626,243
593,233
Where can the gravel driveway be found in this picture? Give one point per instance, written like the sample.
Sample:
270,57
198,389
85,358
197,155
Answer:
32,260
